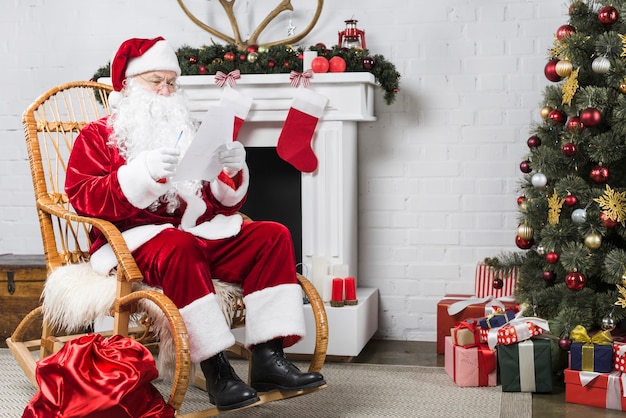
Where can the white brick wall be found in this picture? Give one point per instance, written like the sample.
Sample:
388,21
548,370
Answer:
437,171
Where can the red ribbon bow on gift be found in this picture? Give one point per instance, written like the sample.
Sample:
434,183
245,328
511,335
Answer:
296,77
230,78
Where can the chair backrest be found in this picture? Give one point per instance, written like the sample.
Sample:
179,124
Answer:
51,124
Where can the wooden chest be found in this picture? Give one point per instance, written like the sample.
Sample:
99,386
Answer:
21,282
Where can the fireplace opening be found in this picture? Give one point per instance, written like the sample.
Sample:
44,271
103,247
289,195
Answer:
275,193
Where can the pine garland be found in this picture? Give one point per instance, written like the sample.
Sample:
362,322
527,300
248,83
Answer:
209,59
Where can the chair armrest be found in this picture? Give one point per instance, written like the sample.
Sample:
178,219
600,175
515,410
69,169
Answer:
126,262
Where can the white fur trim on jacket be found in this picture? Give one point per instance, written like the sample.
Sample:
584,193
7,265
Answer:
207,328
103,259
137,184
274,312
226,195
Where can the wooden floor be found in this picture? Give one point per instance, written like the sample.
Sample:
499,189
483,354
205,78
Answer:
424,354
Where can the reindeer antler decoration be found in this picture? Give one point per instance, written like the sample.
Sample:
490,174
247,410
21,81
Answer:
284,5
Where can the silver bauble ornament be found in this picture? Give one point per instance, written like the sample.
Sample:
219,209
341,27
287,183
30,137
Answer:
252,57
608,324
579,216
601,65
539,180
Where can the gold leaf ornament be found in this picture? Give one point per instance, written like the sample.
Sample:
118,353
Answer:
569,87
555,204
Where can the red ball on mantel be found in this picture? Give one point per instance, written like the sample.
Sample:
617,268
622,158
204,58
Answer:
320,65
337,64
550,71
575,281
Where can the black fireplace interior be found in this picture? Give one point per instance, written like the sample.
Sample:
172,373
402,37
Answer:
275,192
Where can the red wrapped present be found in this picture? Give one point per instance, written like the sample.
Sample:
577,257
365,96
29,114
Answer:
466,333
456,308
519,329
484,286
484,334
475,366
602,390
619,356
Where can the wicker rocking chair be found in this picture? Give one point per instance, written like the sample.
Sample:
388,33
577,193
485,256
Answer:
51,124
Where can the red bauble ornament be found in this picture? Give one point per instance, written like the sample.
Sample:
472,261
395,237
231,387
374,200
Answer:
524,166
337,64
564,31
229,56
550,71
271,64
533,142
552,258
558,116
606,221
607,15
569,149
575,281
368,63
243,57
565,344
523,244
570,200
599,174
497,284
590,117
202,69
521,199
574,124
193,60
320,65
549,276
252,48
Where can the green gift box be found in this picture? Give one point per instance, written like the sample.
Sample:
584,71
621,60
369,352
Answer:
526,366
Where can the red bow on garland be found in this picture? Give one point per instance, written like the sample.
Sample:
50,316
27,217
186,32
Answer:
230,78
296,77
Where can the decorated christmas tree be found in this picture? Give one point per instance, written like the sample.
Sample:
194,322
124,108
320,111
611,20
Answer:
572,205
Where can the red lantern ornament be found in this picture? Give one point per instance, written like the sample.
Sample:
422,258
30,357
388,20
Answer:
608,223
368,63
564,31
575,281
574,124
570,200
599,174
351,36
552,258
320,65
569,149
229,56
337,64
607,15
549,276
497,284
523,243
558,116
590,116
524,167
533,142
550,71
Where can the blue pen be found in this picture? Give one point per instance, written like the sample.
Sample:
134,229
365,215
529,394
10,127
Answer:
178,139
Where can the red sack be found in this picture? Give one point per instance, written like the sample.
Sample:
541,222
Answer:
98,377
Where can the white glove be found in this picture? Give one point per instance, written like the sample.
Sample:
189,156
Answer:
162,162
232,156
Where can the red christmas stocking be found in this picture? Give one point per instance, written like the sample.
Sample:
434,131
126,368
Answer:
240,104
294,143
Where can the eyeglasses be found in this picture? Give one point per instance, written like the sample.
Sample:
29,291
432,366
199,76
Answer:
157,83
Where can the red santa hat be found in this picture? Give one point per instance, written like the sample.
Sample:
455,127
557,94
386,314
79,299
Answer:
137,56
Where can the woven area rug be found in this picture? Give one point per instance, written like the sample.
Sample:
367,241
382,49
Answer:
354,390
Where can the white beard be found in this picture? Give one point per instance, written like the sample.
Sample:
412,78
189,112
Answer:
144,121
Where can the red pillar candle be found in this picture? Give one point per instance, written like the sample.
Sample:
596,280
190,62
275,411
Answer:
350,284
336,299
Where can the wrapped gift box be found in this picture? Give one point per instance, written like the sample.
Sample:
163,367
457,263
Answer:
517,330
446,321
483,282
619,356
496,319
466,333
526,366
602,390
475,366
591,357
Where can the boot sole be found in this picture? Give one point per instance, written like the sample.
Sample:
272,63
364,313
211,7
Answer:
266,387
241,404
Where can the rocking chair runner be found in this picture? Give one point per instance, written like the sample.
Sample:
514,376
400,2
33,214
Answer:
51,124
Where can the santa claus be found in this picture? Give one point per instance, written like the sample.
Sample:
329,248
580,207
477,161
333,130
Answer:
183,234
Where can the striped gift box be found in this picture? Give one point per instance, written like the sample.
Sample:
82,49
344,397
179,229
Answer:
483,282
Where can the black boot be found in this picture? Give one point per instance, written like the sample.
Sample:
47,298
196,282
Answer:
270,369
226,390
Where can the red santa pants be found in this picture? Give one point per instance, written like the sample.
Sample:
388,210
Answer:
183,265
